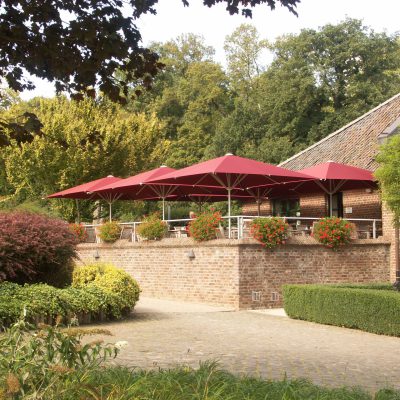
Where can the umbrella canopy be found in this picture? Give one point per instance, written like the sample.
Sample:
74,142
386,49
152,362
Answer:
232,173
139,187
330,177
86,191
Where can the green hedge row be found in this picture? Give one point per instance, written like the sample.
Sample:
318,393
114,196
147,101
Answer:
109,293
373,308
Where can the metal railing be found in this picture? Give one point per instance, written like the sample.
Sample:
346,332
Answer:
370,228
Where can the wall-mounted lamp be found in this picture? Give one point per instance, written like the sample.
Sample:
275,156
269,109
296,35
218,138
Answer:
96,255
368,190
191,254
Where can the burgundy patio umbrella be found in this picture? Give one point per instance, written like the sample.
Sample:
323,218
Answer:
87,191
332,177
231,173
139,187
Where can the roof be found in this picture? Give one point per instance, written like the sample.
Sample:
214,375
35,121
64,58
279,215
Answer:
357,143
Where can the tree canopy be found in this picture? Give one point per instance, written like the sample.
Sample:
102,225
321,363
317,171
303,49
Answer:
388,175
79,45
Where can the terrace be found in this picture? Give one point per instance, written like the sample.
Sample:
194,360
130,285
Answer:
365,228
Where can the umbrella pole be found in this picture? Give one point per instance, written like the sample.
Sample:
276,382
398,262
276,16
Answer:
258,207
330,204
110,210
163,208
78,213
229,213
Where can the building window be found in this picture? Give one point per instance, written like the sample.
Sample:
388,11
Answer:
285,207
337,205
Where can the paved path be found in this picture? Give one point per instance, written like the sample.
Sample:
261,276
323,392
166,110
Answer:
165,333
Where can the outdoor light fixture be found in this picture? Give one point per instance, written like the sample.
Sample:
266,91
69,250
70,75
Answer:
96,255
368,190
191,254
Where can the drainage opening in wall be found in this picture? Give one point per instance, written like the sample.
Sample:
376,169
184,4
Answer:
255,296
274,296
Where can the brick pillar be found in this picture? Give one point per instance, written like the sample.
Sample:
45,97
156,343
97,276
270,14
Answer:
389,233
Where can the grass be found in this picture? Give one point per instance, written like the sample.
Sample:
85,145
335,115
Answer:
205,383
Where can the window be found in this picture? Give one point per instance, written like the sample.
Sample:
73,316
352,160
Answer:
337,205
285,207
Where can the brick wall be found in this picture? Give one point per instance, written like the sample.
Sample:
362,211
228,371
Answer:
267,271
226,272
252,208
163,269
363,204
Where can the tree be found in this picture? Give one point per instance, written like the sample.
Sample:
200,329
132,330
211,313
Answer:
202,94
79,45
79,142
243,49
388,174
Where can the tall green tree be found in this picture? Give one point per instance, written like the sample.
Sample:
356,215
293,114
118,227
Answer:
78,142
243,49
388,175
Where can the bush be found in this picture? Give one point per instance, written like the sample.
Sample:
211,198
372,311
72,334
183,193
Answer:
109,232
270,232
79,231
371,308
35,248
204,226
332,232
48,362
115,282
152,227
99,291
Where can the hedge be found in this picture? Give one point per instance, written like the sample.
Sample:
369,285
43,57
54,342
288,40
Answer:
372,308
111,296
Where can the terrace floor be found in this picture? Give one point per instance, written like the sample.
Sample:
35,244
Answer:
164,333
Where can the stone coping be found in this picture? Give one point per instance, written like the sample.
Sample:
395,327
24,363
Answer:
189,242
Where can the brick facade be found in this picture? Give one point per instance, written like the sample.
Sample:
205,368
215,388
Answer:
231,272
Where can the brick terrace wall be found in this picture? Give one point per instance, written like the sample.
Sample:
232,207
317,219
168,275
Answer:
226,272
266,271
164,270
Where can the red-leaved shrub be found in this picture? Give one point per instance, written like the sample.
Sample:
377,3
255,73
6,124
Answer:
35,248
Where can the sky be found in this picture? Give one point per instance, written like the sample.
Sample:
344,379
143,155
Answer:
214,24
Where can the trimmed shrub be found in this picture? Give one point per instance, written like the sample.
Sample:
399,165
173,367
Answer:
152,227
204,226
122,289
371,308
333,232
35,248
79,231
109,232
270,232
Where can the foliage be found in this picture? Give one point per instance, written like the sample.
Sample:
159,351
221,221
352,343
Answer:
111,43
112,280
152,227
270,232
78,230
182,383
332,232
368,308
78,142
388,174
204,226
109,232
34,247
47,362
97,290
